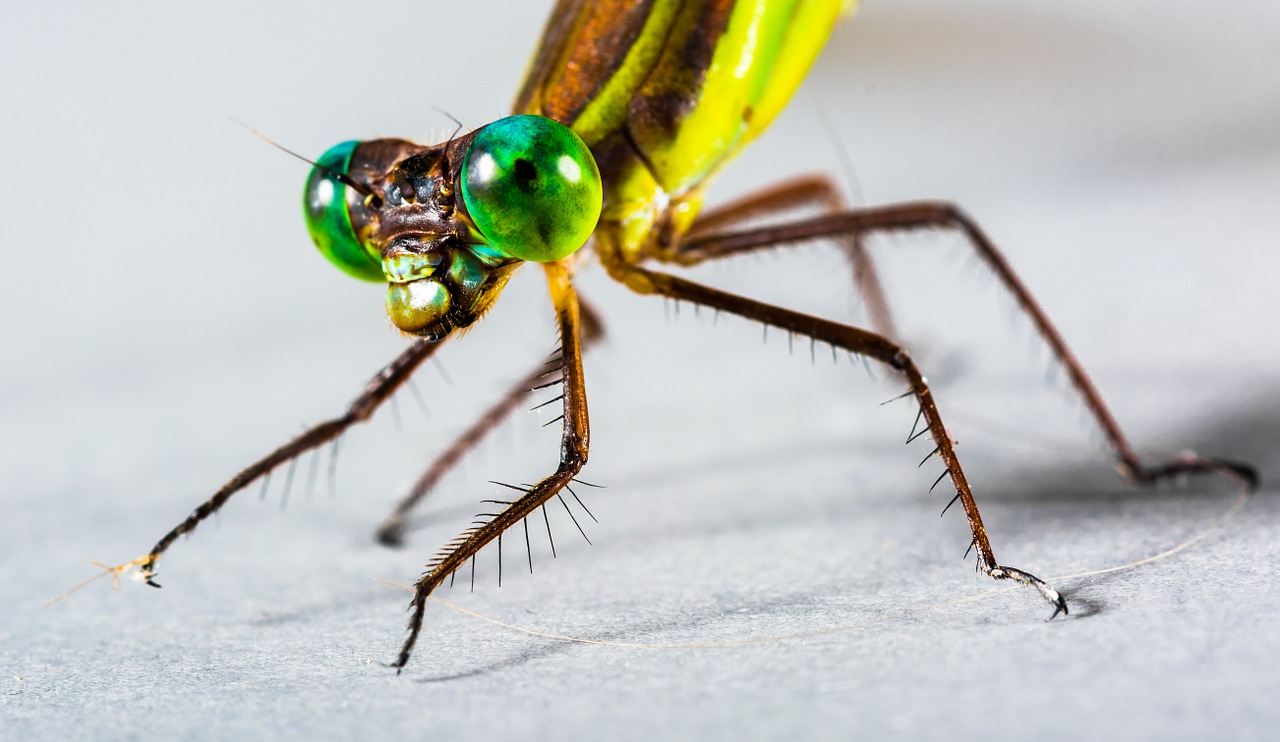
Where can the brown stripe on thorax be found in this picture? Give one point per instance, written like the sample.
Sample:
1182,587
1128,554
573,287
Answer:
675,84
584,47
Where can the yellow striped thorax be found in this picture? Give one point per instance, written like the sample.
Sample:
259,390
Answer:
666,91
635,104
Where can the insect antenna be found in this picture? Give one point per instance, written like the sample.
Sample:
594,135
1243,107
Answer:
342,178
454,119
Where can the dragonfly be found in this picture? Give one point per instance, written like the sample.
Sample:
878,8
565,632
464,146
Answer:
628,110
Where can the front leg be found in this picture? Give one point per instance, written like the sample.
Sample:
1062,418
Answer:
776,200
378,390
574,442
392,530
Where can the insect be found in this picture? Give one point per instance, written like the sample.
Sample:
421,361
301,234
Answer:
630,107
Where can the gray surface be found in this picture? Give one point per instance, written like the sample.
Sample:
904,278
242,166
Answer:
165,321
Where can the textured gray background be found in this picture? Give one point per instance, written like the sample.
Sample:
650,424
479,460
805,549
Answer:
165,321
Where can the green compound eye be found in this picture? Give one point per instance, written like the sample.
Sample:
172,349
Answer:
324,202
532,188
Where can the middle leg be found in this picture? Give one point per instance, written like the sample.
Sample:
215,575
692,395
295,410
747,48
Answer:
915,216
807,191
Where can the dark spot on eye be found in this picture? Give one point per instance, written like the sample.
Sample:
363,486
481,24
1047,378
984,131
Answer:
525,171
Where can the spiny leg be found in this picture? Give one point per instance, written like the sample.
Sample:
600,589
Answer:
806,191
943,215
574,443
865,343
376,391
391,532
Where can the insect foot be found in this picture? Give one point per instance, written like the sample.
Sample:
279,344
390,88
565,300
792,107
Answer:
1046,590
116,573
1188,462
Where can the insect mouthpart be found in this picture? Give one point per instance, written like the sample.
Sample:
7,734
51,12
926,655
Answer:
402,266
418,301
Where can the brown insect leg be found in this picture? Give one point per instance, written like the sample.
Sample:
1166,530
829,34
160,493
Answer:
854,340
943,215
574,443
806,191
377,391
391,532
865,343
